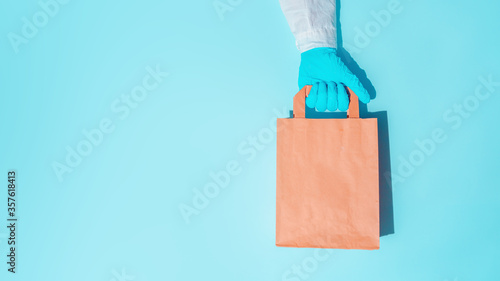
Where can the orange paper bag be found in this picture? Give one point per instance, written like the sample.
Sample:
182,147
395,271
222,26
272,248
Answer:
327,180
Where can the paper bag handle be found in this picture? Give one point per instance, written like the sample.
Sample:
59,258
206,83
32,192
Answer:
299,103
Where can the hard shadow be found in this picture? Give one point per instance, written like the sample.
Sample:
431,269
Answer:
386,208
385,183
351,64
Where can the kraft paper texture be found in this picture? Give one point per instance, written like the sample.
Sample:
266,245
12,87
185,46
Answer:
327,180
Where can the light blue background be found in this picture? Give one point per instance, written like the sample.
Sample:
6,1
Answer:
119,209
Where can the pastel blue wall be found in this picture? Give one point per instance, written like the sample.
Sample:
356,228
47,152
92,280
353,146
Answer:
114,214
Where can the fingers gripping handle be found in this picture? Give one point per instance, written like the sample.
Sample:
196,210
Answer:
353,110
299,103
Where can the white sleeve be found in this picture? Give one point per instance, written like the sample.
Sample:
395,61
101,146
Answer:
312,22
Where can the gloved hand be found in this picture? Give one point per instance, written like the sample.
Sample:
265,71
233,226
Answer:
328,75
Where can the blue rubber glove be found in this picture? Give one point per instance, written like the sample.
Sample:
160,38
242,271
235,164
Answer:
328,75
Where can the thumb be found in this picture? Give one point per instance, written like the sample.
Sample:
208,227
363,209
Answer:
351,81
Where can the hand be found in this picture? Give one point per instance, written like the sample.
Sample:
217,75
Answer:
328,75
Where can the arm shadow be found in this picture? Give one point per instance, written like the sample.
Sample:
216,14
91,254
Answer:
348,60
386,208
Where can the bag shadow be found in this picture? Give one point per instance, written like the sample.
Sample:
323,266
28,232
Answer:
386,208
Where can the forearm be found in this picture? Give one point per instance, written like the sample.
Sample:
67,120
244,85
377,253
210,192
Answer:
312,22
